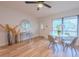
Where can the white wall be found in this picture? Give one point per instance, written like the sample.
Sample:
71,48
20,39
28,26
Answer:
47,26
14,17
48,20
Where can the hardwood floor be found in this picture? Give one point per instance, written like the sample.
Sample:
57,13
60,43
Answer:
36,48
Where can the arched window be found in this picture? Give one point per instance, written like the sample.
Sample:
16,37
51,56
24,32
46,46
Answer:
25,26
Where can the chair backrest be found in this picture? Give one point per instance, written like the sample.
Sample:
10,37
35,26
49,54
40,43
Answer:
74,41
61,42
50,38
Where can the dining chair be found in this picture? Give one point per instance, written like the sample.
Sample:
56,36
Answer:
53,43
51,40
71,45
60,42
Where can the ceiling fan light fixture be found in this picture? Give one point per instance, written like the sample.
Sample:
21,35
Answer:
40,5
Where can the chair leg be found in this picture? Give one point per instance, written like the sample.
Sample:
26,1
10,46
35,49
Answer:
53,46
75,51
57,47
72,51
49,45
64,48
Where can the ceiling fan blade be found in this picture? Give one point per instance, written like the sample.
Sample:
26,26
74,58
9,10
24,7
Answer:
46,5
33,2
30,2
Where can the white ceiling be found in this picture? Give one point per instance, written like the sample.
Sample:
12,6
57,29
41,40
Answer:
57,7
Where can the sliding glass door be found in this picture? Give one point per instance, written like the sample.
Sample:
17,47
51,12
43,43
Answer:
65,27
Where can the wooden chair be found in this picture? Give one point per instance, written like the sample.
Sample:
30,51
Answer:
52,42
60,42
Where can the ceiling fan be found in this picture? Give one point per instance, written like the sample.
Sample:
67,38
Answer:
40,4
